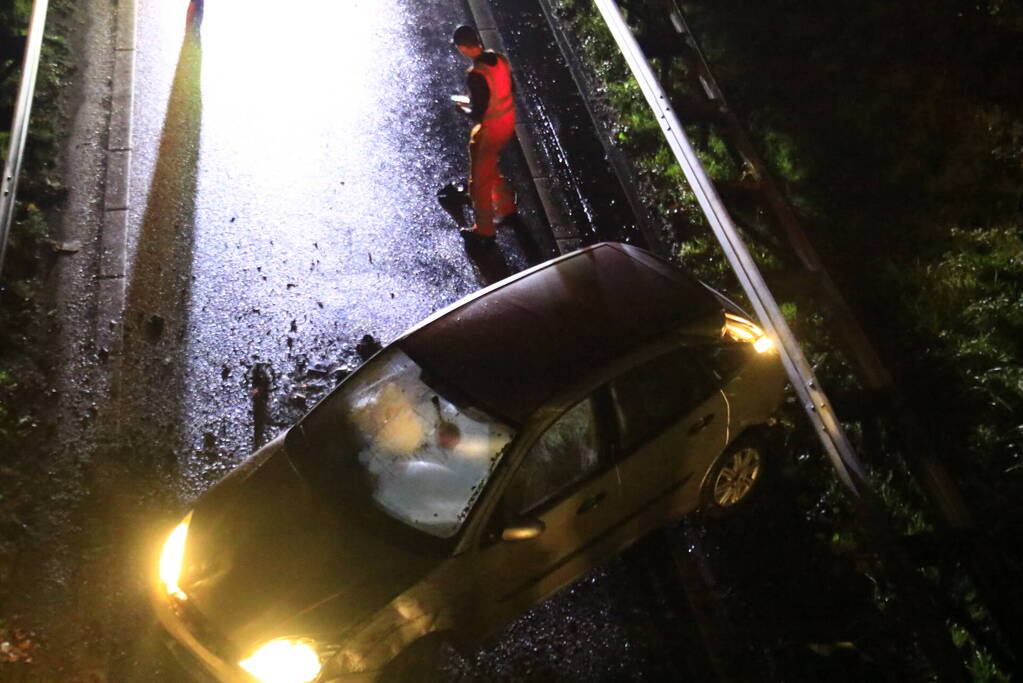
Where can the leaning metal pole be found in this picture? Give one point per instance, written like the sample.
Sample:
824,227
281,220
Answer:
815,402
19,125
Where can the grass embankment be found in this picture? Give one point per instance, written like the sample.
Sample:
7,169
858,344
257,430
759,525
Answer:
896,131
29,256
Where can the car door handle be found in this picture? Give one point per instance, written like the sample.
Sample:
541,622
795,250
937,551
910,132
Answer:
701,424
591,503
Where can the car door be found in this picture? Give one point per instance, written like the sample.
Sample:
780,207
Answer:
565,485
672,420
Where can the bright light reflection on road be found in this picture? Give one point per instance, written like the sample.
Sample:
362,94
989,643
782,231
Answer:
282,79
315,218
276,50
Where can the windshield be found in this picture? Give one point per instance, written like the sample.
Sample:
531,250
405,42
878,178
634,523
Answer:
424,459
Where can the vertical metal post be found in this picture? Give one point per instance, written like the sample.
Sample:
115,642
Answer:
19,125
815,402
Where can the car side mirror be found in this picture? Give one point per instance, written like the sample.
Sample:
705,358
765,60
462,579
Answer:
523,530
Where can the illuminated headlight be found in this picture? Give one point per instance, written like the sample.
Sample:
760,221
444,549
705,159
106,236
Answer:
742,330
172,557
284,661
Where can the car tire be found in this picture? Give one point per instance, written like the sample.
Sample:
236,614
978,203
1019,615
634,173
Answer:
419,662
735,478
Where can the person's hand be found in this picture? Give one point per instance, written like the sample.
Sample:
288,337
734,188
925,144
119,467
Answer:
461,102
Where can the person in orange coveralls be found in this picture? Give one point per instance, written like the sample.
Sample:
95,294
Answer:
491,105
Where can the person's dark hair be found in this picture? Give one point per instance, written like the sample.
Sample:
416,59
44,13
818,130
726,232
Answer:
467,36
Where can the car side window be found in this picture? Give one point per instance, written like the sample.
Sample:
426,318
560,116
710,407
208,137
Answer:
565,454
650,397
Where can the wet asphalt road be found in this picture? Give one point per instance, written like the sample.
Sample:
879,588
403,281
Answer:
283,188
283,207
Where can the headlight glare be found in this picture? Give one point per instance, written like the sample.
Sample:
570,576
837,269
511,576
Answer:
741,330
283,661
173,557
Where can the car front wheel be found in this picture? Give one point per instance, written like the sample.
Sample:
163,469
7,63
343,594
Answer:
734,477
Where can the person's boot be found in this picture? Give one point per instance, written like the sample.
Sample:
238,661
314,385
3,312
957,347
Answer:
507,219
474,238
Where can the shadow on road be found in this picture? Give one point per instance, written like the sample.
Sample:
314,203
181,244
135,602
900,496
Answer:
128,499
156,306
488,262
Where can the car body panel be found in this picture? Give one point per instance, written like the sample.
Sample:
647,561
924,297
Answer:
683,450
520,573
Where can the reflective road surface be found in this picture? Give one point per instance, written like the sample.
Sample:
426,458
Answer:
283,200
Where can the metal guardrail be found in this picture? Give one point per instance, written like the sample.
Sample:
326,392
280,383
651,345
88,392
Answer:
19,124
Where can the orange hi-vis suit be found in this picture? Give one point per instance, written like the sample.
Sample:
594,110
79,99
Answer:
488,189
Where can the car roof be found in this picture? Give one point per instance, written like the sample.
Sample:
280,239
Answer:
514,345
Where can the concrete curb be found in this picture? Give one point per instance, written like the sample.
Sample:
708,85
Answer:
564,233
111,275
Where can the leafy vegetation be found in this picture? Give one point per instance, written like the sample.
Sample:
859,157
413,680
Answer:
29,255
29,251
896,132
898,129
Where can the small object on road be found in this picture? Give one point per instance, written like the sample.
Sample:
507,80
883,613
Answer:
453,198
367,346
318,370
154,327
261,381
72,247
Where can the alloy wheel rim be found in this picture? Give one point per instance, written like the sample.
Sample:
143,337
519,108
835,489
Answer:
737,477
